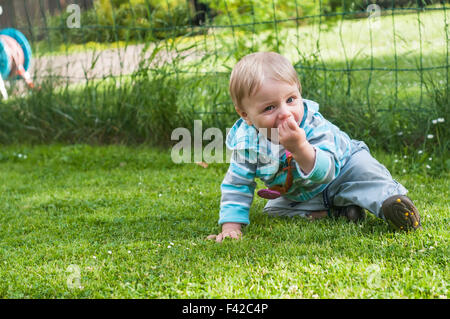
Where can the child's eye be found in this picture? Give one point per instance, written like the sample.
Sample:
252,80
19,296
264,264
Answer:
290,100
270,107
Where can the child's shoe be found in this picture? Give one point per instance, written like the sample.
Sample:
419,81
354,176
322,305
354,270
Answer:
400,211
352,213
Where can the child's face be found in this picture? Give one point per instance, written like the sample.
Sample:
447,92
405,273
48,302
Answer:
271,105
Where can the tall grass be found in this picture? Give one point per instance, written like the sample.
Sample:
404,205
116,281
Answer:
146,106
141,107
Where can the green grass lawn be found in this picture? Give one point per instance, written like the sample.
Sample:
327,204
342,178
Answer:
134,225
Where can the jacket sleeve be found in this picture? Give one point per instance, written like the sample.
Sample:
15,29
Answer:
332,146
237,189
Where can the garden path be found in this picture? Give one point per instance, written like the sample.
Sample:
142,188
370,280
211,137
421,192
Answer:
80,66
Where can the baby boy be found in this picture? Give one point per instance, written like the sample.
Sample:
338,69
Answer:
311,167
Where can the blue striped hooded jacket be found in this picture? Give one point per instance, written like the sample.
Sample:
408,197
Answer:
254,156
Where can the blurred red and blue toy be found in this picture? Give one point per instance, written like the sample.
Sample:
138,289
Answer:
15,58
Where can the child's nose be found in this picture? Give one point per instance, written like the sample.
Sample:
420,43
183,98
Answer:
284,113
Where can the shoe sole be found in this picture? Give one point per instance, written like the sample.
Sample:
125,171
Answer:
401,213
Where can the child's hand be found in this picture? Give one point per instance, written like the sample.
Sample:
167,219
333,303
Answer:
291,136
231,230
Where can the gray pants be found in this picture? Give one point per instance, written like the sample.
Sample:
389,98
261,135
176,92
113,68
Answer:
362,181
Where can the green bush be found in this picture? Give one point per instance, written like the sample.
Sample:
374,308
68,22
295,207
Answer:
243,12
155,18
125,20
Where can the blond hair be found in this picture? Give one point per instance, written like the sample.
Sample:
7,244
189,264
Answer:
249,73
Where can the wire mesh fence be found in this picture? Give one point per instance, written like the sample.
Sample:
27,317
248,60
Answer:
377,68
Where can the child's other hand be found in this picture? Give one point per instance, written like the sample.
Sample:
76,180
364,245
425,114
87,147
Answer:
230,230
291,136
